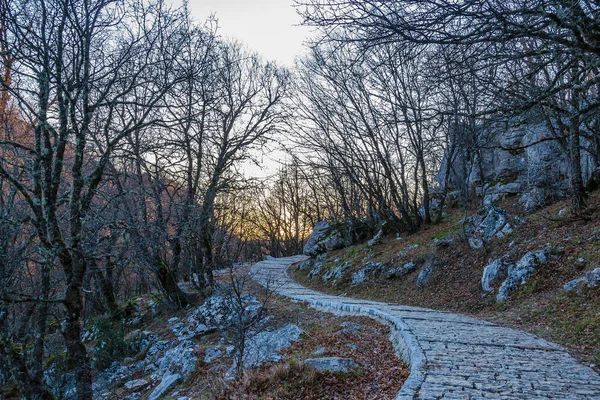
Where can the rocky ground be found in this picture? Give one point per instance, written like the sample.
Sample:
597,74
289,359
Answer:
285,350
538,272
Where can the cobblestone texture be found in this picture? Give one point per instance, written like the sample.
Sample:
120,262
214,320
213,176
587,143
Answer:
453,356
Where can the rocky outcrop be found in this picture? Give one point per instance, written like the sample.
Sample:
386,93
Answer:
332,236
399,271
426,274
265,346
590,279
522,161
491,222
325,237
370,269
493,272
522,271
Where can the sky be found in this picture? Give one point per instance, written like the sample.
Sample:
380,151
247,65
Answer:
270,27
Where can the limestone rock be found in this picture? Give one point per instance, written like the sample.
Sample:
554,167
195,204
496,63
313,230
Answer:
180,360
212,353
324,237
401,270
407,249
136,385
521,272
335,273
492,272
167,382
332,364
426,273
369,269
591,280
572,285
265,346
376,239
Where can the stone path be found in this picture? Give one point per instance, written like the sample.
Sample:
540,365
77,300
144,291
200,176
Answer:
452,356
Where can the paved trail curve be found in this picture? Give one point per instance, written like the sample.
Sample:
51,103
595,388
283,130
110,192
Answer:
452,356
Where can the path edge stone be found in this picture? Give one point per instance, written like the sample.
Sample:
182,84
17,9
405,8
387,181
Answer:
404,341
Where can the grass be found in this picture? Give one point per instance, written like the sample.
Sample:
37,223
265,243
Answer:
541,306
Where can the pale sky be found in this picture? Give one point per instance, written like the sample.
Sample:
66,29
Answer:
269,27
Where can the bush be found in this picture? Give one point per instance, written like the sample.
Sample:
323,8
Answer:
110,344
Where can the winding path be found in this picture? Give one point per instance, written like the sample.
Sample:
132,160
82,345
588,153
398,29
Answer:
452,356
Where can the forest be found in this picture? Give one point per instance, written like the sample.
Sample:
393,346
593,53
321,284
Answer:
126,126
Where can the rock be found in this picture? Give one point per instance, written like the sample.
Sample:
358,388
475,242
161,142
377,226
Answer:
533,199
353,346
571,285
136,385
265,346
335,273
401,270
492,272
426,273
158,347
376,239
491,222
167,382
307,264
62,385
332,364
319,351
521,272
362,275
522,159
593,277
407,250
324,237
445,242
350,327
222,311
179,360
475,243
317,266
212,353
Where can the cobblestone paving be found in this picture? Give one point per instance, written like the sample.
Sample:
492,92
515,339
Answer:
454,356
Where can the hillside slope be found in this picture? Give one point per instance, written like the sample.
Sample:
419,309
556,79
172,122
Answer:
443,271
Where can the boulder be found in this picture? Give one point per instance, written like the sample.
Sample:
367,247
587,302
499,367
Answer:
426,274
521,272
325,237
265,346
167,382
369,269
492,272
331,364
519,160
591,280
399,271
376,239
335,273
222,311
317,266
180,360
491,222
572,285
